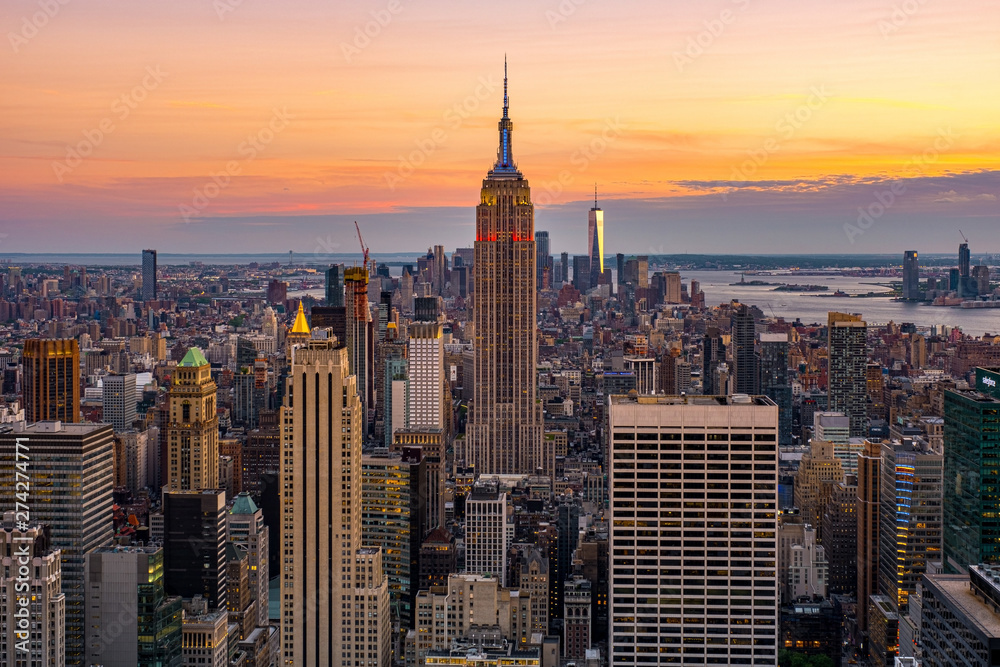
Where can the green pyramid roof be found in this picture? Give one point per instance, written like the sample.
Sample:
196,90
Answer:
194,358
243,504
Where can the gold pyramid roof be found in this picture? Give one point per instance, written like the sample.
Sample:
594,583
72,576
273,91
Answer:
300,326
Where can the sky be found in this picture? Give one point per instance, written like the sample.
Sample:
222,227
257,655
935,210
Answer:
717,126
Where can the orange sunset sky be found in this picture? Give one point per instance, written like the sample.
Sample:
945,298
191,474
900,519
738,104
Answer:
764,126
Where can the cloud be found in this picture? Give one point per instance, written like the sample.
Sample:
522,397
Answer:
953,197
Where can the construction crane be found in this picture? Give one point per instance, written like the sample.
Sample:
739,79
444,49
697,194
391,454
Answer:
364,248
964,237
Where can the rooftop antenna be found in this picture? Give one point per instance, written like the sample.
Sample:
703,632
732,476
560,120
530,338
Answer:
595,195
505,85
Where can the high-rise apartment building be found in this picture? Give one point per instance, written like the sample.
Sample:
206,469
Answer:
118,394
848,388
504,433
334,595
744,333
971,447
51,380
192,433
149,291
334,286
911,275
487,535
704,469
39,594
130,618
964,270
869,509
595,242
910,517
71,464
840,536
194,530
425,373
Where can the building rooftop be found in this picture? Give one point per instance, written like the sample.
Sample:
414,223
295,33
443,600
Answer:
685,399
51,427
128,549
244,504
957,589
193,359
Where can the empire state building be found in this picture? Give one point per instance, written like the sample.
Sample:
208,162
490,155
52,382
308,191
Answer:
505,430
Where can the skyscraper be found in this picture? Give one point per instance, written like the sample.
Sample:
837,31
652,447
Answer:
744,354
543,260
248,533
334,286
504,434
869,486
335,598
192,433
595,241
772,363
149,275
358,322
848,384
910,517
118,400
971,447
51,380
710,570
911,275
425,372
713,352
581,273
71,465
194,531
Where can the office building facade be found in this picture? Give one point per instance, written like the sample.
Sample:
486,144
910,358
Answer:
848,388
118,393
192,433
706,469
149,291
51,380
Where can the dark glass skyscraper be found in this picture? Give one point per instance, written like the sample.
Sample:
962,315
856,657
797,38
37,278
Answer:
971,477
713,351
543,261
911,275
772,361
744,334
148,275
335,286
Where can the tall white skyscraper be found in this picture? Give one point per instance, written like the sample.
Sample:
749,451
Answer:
693,552
119,399
426,376
334,595
487,536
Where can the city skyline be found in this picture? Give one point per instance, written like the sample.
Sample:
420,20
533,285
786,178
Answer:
696,130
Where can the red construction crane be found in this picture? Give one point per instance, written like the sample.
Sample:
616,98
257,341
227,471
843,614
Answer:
364,248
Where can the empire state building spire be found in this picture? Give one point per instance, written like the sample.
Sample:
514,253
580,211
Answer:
505,160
